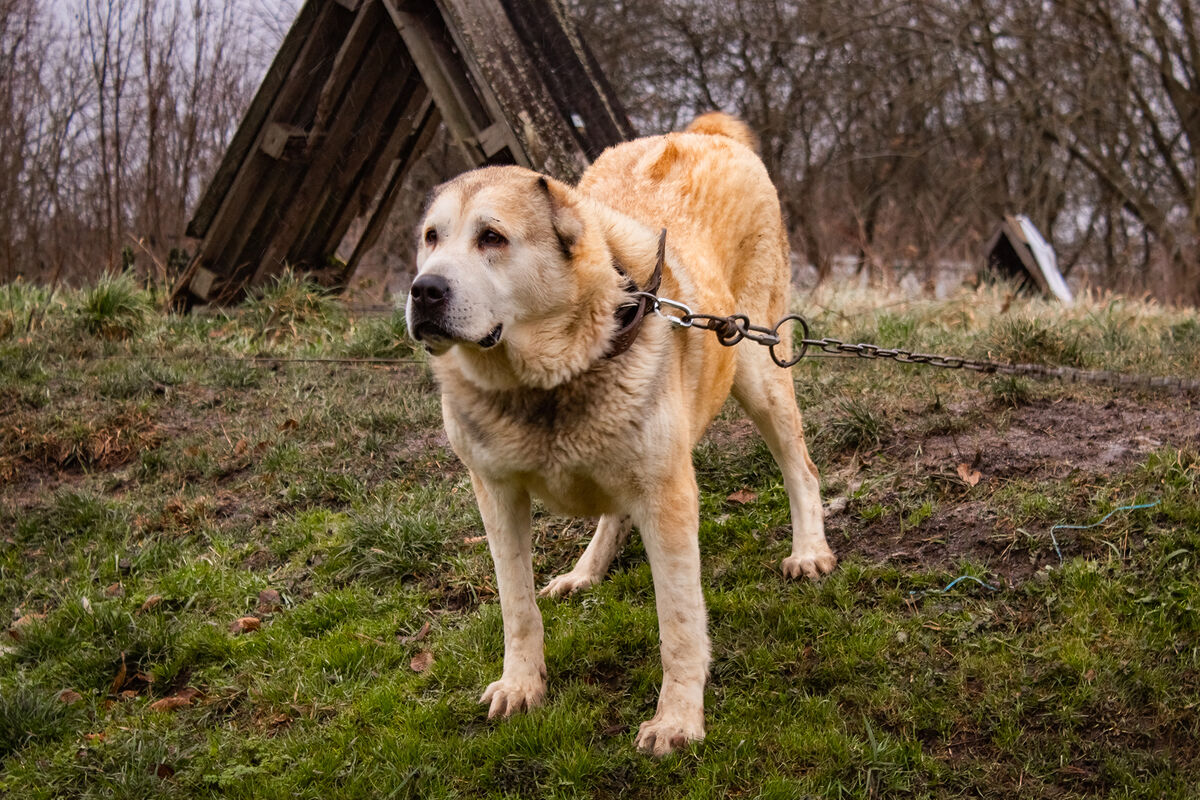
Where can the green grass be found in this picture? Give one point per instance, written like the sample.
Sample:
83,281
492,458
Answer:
152,485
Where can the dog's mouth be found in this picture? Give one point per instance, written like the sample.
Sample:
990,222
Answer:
492,339
432,335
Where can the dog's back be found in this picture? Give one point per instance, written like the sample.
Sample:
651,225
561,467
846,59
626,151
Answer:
709,189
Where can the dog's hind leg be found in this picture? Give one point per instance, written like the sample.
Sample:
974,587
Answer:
611,534
766,393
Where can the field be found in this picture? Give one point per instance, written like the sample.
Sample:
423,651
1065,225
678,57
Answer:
258,579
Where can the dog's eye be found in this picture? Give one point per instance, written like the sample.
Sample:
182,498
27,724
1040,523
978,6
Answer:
431,237
489,238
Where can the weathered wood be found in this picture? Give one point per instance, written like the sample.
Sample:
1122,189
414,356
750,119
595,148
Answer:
494,139
283,142
428,44
372,134
512,85
577,86
294,43
346,62
298,212
427,120
353,98
202,282
238,214
355,190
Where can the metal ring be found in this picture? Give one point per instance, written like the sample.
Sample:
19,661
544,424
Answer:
803,341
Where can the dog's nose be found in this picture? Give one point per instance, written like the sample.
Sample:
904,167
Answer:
430,291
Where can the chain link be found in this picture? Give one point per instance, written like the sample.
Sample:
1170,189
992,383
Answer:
732,329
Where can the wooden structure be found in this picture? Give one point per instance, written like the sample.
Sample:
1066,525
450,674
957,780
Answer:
354,96
1018,251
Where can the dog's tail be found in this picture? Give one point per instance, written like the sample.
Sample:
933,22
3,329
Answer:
718,123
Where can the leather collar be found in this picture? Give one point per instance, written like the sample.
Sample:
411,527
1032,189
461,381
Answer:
631,314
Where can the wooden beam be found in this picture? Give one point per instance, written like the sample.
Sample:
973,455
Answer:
356,105
427,120
201,282
356,190
577,84
345,63
283,142
512,86
294,44
238,214
427,42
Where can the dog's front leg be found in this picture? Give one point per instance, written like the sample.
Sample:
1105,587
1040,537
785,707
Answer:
505,511
669,522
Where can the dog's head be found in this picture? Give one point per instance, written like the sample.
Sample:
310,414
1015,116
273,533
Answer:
498,258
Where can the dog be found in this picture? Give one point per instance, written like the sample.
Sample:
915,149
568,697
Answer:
554,385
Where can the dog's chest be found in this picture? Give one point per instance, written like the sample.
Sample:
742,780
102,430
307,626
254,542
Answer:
565,441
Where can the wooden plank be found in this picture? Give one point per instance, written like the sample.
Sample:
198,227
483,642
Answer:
356,190
345,64
297,213
236,238
256,115
427,42
254,175
374,130
283,142
428,119
512,86
494,139
576,83
201,282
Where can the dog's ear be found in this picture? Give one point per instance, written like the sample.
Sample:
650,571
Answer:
568,224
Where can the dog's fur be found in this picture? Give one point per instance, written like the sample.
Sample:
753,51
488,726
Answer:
518,281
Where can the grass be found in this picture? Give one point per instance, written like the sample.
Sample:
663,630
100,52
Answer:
153,486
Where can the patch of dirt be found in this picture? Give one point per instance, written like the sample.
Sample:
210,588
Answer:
1053,439
1048,440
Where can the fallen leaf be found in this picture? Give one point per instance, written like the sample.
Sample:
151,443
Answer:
970,476
26,620
172,703
245,625
289,424
86,604
119,680
474,539
422,661
241,447
418,636
69,696
114,590
129,694
96,737
150,603
269,601
164,771
742,496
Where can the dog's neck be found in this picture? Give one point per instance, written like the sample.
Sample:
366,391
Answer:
553,350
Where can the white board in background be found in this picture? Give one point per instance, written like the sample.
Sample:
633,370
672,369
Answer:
1047,262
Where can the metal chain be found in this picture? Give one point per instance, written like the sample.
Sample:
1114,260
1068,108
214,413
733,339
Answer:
732,329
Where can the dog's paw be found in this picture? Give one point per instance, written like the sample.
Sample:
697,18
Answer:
811,566
507,696
569,583
666,733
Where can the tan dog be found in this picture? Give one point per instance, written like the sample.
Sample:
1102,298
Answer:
519,286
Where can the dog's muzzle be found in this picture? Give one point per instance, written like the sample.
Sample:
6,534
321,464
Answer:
430,296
